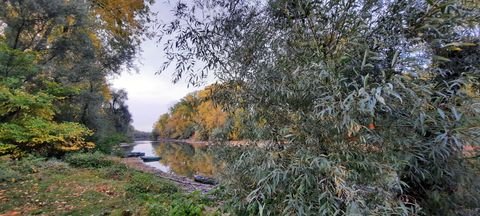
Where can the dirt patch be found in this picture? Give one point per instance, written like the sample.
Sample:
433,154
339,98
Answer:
185,183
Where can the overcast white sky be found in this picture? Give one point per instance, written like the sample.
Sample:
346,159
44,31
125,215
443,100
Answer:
151,95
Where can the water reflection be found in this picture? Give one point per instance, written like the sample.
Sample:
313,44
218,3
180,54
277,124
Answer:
185,159
180,158
147,148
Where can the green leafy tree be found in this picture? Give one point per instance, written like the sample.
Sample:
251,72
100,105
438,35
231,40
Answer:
26,116
78,44
115,119
117,109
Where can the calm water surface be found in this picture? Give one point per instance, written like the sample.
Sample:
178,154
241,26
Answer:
178,158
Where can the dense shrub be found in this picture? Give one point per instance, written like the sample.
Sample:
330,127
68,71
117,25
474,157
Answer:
219,134
107,142
298,182
186,207
117,172
7,174
16,170
178,204
142,183
89,160
187,132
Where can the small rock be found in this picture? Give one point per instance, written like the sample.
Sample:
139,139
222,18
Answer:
126,213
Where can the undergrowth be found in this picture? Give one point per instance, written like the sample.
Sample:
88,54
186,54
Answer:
92,184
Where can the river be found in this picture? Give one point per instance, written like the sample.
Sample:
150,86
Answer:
178,158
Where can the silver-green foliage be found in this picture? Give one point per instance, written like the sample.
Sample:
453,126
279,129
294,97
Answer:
368,104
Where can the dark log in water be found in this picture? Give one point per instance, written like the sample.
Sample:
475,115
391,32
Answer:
150,158
135,154
125,145
205,180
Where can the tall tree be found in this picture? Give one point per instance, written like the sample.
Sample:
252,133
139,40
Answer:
79,44
117,109
368,104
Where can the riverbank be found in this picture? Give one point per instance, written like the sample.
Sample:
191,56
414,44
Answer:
182,182
95,184
206,143
189,141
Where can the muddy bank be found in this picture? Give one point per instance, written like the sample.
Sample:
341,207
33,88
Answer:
189,141
185,183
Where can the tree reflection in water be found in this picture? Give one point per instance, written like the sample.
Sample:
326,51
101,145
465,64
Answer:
185,159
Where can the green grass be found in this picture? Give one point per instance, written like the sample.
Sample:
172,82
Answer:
37,186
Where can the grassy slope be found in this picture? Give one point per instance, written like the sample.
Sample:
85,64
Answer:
97,187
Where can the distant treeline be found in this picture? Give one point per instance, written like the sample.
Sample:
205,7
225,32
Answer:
141,135
197,117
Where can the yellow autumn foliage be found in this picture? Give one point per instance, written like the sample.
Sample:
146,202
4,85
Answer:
197,116
119,16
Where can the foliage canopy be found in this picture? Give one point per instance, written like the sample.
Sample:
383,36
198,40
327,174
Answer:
196,116
368,105
55,57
